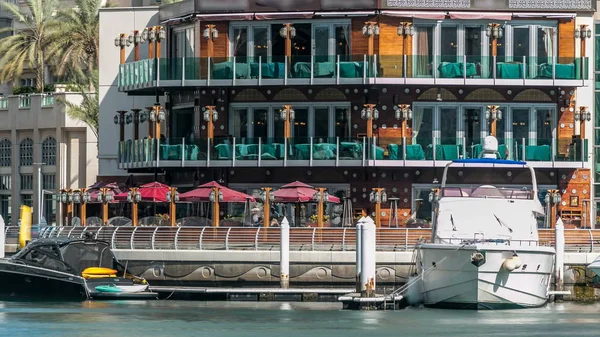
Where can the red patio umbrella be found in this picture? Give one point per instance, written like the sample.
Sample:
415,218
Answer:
151,192
201,194
299,192
94,189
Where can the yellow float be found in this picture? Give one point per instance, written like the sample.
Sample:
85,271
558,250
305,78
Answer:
98,272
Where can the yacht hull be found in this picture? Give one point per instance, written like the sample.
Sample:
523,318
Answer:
451,278
595,266
20,282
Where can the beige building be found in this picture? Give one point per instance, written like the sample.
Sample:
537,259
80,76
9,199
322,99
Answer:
42,148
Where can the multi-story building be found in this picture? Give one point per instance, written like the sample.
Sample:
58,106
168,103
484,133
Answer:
42,148
384,94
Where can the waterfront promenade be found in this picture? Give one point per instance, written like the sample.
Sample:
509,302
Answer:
211,260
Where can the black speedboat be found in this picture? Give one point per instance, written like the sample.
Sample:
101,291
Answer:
68,270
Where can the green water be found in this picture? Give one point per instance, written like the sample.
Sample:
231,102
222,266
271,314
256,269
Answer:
266,319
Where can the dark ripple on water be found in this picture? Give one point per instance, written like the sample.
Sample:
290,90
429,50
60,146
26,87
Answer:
266,319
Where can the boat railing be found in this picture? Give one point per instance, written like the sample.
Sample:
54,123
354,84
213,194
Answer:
497,242
261,238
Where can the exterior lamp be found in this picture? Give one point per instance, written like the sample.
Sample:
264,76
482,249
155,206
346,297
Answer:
212,196
284,114
583,32
370,29
76,196
403,112
378,196
263,196
283,32
172,197
128,119
406,29
493,113
494,31
134,197
208,33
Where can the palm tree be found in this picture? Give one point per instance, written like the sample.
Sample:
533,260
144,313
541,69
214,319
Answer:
28,46
75,45
87,111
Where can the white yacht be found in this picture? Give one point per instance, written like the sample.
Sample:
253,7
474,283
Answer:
595,266
484,251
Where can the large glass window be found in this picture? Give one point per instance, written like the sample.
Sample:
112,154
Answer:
448,118
5,208
321,124
261,43
473,40
240,42
544,126
520,47
300,124
449,44
422,123
49,151
520,124
545,44
423,51
239,123
343,127
5,153
26,152
26,199
261,123
473,126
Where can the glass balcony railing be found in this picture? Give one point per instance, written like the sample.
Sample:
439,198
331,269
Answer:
345,67
24,102
47,100
226,151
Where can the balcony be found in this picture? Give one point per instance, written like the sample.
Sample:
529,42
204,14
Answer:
357,69
334,152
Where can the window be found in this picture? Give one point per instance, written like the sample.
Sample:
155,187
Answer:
322,40
49,181
424,51
5,153
183,42
5,180
26,152
27,200
49,151
49,209
5,208
27,181
324,122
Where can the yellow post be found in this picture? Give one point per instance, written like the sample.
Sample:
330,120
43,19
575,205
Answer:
173,207
215,209
83,208
267,206
25,229
320,208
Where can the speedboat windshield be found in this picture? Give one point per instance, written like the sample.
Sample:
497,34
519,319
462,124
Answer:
82,255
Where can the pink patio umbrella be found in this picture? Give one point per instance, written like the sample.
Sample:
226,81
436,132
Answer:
151,192
203,194
299,192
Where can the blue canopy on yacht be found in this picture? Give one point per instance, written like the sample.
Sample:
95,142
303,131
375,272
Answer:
489,161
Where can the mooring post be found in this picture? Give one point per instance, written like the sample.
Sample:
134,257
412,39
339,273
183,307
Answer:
2,237
559,266
358,252
284,255
367,276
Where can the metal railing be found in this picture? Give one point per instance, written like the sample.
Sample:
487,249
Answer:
253,238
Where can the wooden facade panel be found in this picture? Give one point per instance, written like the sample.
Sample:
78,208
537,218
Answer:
391,47
566,41
359,43
220,46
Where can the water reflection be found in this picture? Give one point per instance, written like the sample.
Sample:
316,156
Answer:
289,319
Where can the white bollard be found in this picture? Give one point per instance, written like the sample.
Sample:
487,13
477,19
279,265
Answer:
358,252
2,238
559,261
284,255
368,259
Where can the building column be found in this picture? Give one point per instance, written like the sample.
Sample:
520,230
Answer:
15,198
37,160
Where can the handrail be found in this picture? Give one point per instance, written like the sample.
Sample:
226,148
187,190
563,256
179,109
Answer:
258,238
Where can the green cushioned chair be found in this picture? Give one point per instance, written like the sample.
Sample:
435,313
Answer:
302,151
509,70
536,152
563,71
456,70
350,150
301,70
413,152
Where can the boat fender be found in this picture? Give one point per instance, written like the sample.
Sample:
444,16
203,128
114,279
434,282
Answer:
478,259
512,263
